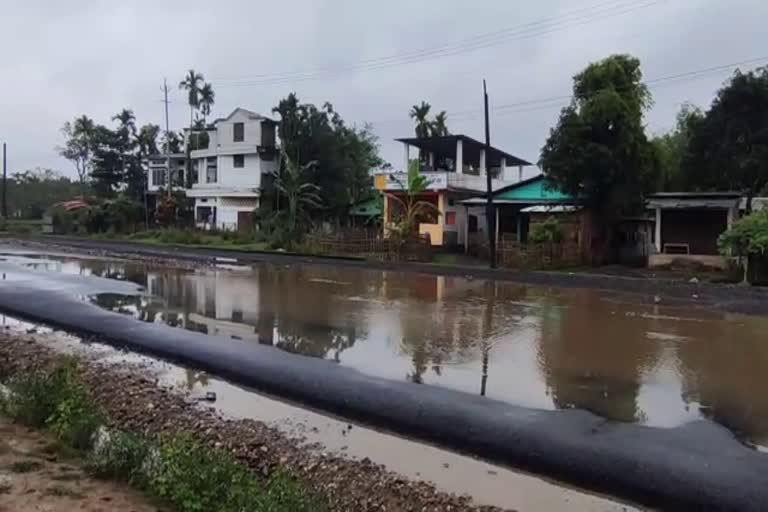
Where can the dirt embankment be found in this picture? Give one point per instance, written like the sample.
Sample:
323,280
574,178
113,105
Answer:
34,477
134,402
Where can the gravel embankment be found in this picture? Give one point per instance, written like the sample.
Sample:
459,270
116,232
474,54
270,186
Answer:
133,401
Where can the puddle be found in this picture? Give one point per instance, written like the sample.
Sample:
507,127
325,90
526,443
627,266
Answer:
537,347
486,483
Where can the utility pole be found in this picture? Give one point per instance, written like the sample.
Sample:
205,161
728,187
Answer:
490,212
5,184
167,137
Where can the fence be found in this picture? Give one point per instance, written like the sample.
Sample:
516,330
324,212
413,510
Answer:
378,248
513,254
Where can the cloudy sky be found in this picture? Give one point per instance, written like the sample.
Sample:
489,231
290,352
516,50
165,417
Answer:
372,60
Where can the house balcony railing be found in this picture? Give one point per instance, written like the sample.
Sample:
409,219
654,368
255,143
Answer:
439,180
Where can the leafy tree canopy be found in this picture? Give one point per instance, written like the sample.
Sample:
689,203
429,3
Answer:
32,192
344,155
728,147
598,152
671,149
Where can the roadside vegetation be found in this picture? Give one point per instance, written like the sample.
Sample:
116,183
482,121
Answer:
186,474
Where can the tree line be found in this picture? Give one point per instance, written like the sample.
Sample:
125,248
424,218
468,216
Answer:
599,153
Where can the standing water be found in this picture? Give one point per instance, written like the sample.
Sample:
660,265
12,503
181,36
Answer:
538,347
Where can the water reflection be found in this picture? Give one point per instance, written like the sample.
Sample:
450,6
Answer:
531,346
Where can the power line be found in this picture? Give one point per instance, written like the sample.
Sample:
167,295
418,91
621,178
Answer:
533,105
598,12
412,53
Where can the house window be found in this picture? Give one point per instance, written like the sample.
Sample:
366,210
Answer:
211,175
238,161
239,132
158,177
450,218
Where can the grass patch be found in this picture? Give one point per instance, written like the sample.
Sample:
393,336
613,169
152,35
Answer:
182,472
62,491
25,466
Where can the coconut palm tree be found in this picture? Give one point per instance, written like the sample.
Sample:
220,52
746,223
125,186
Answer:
411,207
419,113
206,100
439,126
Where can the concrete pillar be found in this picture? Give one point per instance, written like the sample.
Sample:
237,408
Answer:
432,161
519,173
658,231
503,168
407,160
385,217
466,229
483,166
519,227
460,156
731,215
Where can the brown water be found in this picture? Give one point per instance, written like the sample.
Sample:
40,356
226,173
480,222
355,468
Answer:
531,346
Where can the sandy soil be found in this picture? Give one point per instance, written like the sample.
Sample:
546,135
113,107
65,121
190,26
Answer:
34,478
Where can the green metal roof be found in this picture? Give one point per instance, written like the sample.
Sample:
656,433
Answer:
370,208
533,190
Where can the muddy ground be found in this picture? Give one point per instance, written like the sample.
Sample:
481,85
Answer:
677,291
34,478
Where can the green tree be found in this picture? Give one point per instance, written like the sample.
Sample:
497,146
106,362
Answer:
411,209
192,83
147,140
171,142
420,114
301,196
747,239
78,146
671,149
344,155
207,99
728,149
598,152
32,192
439,127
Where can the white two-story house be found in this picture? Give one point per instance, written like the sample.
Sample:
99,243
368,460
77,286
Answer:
157,172
228,163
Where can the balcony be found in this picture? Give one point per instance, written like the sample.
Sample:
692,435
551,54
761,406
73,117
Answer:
439,180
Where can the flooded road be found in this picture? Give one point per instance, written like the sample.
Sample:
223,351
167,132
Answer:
536,347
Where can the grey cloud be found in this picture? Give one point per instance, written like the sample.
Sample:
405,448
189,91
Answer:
64,59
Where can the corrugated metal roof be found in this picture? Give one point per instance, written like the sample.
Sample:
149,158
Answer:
554,208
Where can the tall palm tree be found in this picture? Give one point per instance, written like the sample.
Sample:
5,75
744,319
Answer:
439,126
192,83
127,121
420,113
206,100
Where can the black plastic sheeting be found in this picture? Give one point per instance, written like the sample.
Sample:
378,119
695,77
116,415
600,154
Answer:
699,466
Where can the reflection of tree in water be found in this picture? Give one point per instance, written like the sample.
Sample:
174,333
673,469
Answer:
315,340
593,361
310,309
724,368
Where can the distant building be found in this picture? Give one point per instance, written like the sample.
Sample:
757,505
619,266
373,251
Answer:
227,169
229,160
455,167
157,172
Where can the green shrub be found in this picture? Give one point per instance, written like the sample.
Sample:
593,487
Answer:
548,231
120,456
